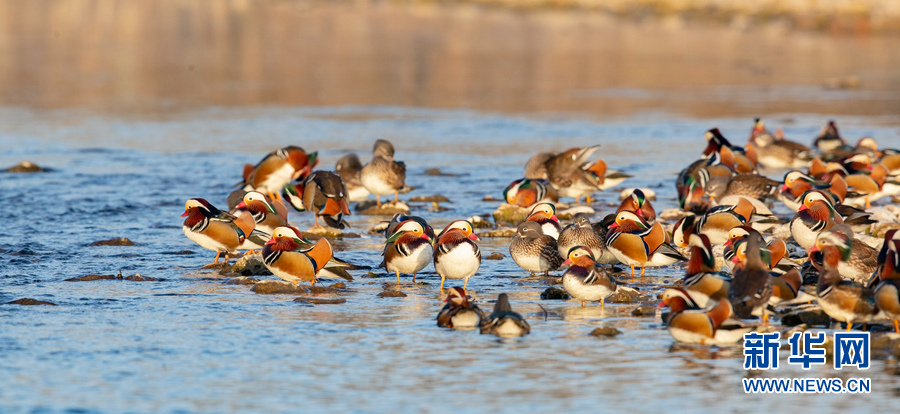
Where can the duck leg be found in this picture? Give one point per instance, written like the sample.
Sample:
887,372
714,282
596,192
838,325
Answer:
378,200
897,325
214,262
588,199
442,283
602,302
582,304
868,205
414,278
632,270
398,277
642,271
396,196
465,282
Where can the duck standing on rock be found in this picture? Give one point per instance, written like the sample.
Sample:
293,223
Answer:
407,250
325,195
635,243
219,231
284,255
383,175
277,169
533,250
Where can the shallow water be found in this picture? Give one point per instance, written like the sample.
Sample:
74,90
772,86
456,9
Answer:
192,343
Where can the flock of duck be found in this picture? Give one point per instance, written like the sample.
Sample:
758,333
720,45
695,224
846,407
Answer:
724,211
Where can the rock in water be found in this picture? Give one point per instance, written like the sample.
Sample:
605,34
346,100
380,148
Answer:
606,331
30,302
386,209
26,167
554,293
119,241
644,310
392,294
320,301
251,265
273,287
511,214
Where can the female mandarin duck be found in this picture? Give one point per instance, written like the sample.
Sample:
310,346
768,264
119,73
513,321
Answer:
407,250
701,279
383,175
583,280
277,169
843,300
285,256
581,233
637,203
503,321
456,256
636,243
219,231
887,292
785,286
773,151
777,249
862,262
533,250
459,312
267,215
691,324
752,285
816,215
349,168
545,215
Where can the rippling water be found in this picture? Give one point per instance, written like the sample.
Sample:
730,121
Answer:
192,343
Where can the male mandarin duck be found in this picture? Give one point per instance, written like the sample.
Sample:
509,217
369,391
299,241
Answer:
752,285
843,300
701,279
545,215
219,231
325,195
526,192
583,280
407,250
719,220
785,286
602,229
267,214
277,169
349,168
580,233
288,256
795,184
829,138
691,324
815,215
733,157
398,219
683,229
533,250
636,243
503,321
887,292
383,175
872,186
459,312
773,152
862,261
456,255
690,185
638,204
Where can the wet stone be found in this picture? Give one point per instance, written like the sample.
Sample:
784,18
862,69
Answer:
504,232
322,289
495,256
480,223
329,232
386,209
607,331
434,172
88,278
320,301
248,266
554,293
645,309
30,302
26,167
437,198
120,241
137,277
339,285
489,198
273,287
624,294
811,316
181,253
242,280
392,294
509,213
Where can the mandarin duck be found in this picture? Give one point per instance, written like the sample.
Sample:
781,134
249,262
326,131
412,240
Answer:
267,214
278,168
638,204
636,243
220,231
459,312
719,220
536,167
398,219
887,292
843,300
288,256
325,195
383,175
580,233
545,215
773,152
349,168
815,215
752,285
583,280
456,255
777,249
829,138
862,261
746,184
691,324
732,157
572,176
533,250
785,286
407,250
503,321
526,192
701,279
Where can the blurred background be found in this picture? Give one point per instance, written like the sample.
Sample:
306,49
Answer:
601,58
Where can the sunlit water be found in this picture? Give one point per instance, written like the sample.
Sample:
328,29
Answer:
192,343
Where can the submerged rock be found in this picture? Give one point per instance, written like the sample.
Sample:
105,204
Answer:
489,198
434,172
137,277
495,256
570,212
120,241
645,309
320,301
809,316
30,302
274,287
329,232
607,331
504,232
554,293
242,280
26,167
624,294
392,294
437,198
88,278
386,209
339,285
